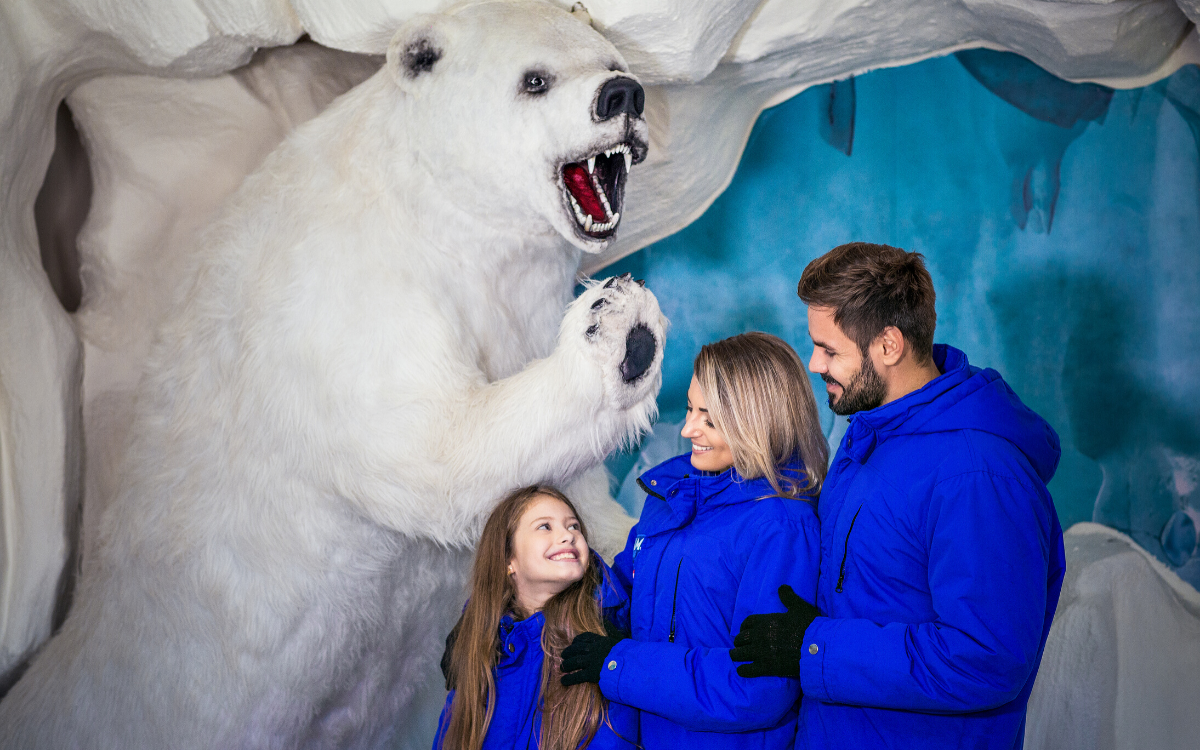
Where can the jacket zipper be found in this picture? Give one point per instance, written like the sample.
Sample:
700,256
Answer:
674,596
675,593
846,551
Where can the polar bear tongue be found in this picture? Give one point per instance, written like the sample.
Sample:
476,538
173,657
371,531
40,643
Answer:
579,182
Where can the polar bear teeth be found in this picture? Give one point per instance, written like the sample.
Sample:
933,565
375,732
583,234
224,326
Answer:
595,187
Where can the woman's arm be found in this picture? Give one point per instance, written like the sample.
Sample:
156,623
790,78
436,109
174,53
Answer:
699,688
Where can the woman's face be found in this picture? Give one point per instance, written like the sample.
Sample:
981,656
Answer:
549,552
710,452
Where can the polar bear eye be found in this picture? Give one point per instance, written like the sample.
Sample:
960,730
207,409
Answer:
535,82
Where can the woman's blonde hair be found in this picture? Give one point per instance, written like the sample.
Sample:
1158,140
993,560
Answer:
759,397
570,715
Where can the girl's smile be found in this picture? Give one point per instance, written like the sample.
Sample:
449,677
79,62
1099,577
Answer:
549,552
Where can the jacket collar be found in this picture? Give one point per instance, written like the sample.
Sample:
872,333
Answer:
510,625
660,480
677,490
907,413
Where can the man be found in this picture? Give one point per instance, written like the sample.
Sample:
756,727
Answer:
941,553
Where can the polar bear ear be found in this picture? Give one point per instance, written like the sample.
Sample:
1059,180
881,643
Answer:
580,11
416,49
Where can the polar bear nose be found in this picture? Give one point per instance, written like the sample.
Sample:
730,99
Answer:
620,95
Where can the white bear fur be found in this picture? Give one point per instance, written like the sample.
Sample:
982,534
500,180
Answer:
373,351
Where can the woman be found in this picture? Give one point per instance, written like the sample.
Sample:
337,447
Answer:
723,528
534,586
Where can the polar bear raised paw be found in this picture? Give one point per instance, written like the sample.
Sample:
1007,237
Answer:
623,332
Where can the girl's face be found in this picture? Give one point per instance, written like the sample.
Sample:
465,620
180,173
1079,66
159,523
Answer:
549,552
710,452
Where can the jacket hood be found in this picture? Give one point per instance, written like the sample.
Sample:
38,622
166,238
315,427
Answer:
961,398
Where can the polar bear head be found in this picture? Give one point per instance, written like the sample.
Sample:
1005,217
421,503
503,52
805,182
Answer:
525,116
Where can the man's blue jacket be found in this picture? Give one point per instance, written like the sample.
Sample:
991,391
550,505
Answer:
517,720
709,550
941,564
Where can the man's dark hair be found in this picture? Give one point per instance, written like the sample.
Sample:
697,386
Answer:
870,287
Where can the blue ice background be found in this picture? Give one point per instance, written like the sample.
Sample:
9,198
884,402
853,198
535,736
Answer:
1060,222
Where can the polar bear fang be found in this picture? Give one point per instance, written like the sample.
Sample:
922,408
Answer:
596,188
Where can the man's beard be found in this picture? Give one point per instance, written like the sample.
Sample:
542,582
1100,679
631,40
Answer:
865,391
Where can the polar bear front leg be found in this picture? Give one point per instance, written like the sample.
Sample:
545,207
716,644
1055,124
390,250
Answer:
563,414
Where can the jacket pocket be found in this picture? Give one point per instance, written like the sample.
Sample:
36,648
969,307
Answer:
846,551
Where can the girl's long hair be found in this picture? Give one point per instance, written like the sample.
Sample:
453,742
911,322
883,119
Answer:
759,397
570,715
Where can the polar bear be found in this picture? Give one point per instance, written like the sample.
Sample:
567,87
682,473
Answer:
378,343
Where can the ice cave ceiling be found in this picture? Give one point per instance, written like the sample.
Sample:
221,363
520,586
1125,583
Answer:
172,118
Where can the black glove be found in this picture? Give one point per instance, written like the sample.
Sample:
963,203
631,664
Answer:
773,643
448,654
584,658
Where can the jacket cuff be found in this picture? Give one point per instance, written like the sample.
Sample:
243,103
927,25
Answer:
812,660
614,665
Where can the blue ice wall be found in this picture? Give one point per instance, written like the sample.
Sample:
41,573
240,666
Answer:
1061,224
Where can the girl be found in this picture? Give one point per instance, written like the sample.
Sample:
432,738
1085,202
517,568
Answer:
534,586
723,528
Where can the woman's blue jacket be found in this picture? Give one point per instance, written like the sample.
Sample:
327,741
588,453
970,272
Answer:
941,569
517,721
708,551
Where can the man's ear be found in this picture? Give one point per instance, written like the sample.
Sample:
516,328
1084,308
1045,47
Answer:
893,345
417,48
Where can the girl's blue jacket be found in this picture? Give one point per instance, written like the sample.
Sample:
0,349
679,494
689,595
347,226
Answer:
517,721
941,564
708,551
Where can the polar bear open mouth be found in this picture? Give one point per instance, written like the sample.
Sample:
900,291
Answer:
596,187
